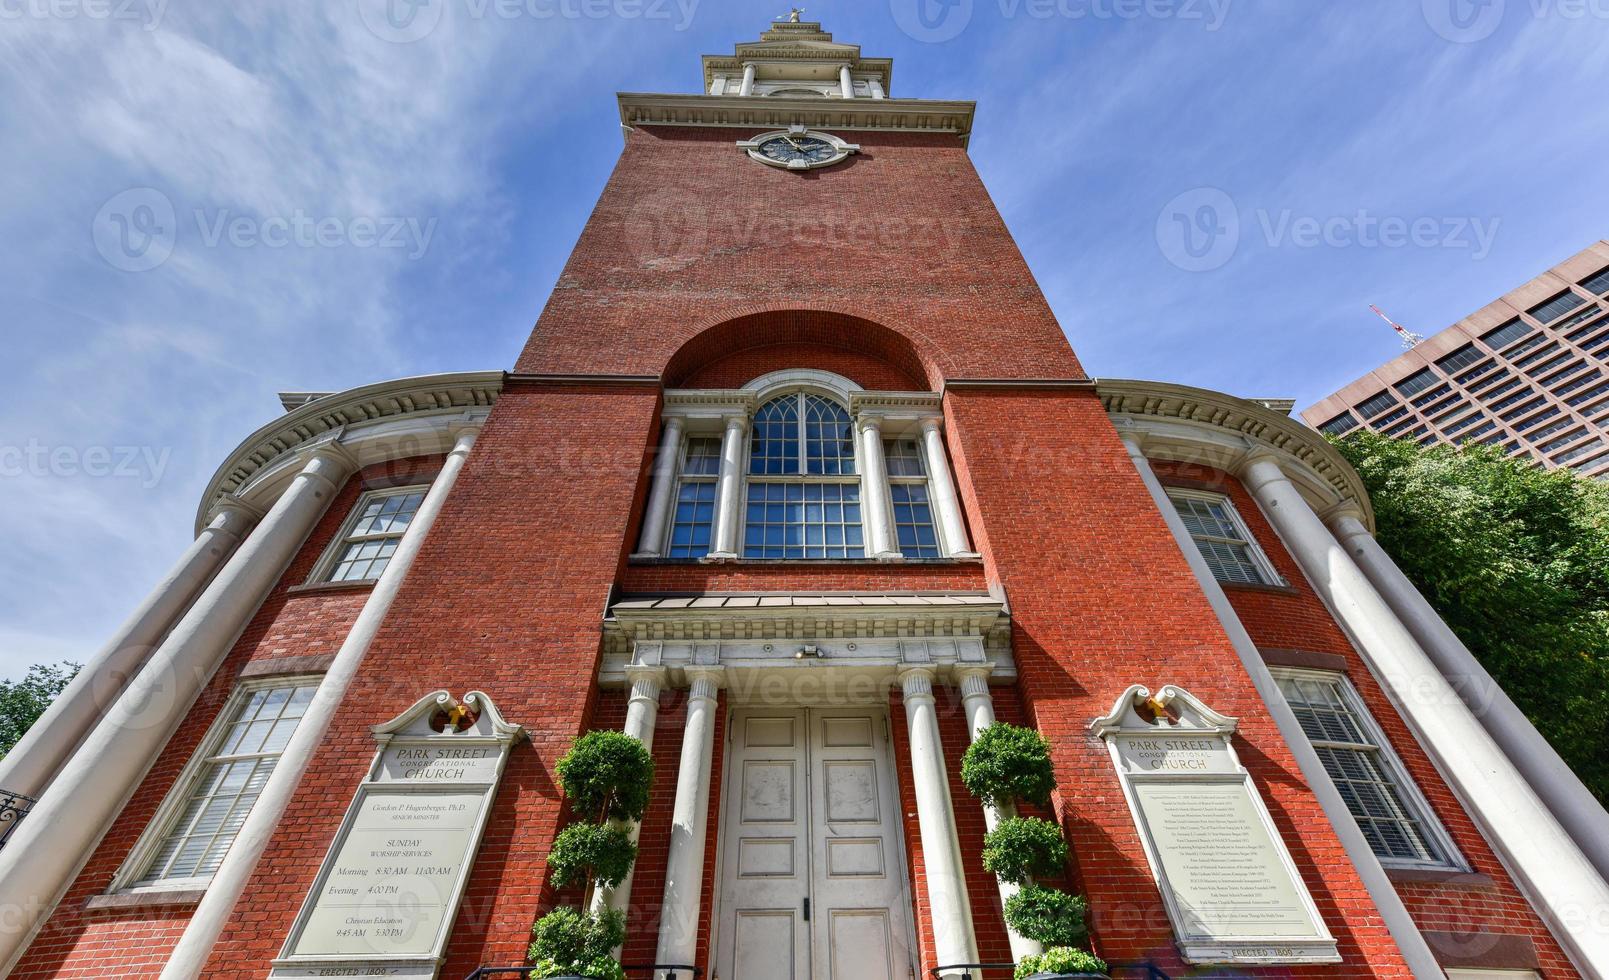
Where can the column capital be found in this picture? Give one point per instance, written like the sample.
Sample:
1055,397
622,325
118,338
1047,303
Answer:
704,681
1259,466
869,420
931,423
237,514
974,679
646,681
916,680
1345,518
736,420
328,460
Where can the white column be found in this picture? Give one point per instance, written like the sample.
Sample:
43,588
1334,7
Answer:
651,543
1573,805
845,83
953,939
34,761
1553,872
689,821
52,843
718,86
874,490
945,501
641,711
1415,951
979,706
728,505
217,906
877,89
747,86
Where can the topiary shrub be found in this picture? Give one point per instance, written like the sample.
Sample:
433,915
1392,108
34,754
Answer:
1005,763
1046,915
569,935
1024,848
607,775
1061,960
597,968
598,854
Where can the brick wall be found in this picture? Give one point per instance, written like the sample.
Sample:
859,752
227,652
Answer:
1474,908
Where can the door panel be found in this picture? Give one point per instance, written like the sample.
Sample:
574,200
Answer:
811,814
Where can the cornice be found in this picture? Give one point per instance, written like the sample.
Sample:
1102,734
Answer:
1252,428
335,416
773,112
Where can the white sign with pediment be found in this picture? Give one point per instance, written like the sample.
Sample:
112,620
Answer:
388,890
1231,890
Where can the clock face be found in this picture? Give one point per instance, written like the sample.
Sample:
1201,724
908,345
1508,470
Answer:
798,151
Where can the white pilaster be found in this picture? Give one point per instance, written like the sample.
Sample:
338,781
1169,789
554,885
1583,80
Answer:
641,712
874,490
217,906
953,938
1415,951
846,83
651,543
728,502
689,821
979,706
51,844
718,85
945,501
1572,804
747,86
1549,867
31,764
877,89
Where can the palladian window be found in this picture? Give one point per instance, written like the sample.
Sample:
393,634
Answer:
802,465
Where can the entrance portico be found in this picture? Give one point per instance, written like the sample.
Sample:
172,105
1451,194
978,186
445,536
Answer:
810,849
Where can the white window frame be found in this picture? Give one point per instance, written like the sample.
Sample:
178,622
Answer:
749,479
1259,558
925,481
681,478
1412,797
156,831
337,546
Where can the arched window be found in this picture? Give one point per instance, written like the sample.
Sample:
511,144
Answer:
803,492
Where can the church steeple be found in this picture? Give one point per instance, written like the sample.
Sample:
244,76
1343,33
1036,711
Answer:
797,59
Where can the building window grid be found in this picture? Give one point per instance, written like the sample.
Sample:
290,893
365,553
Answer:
1463,423
1340,425
1506,334
1459,359
1223,539
1597,283
915,531
1592,343
1424,401
1550,310
1581,333
1469,376
371,535
1389,417
1528,360
1577,452
1370,407
1536,419
692,521
1570,372
1525,346
1576,317
1414,383
1390,811
800,505
1562,441
1481,385
1450,410
226,778
1588,395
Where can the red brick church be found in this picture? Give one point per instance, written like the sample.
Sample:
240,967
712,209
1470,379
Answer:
798,481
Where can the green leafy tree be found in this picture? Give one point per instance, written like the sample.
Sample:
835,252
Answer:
22,702
1516,560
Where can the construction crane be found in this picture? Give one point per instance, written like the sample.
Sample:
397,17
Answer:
1410,340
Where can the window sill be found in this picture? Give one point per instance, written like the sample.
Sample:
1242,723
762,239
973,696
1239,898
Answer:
152,898
809,562
1250,587
1441,876
317,588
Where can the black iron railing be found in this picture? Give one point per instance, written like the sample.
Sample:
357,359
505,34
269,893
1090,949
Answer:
13,807
1145,968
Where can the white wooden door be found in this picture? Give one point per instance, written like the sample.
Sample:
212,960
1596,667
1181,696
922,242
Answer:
813,870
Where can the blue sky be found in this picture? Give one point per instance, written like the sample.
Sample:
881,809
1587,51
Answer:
348,205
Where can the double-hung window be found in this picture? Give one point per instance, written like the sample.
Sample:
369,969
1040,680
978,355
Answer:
803,491
371,535
693,519
197,824
1222,538
1394,817
914,532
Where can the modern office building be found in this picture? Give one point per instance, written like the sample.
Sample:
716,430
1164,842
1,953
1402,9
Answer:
1528,372
797,481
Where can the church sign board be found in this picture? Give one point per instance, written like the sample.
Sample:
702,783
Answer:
388,890
1231,890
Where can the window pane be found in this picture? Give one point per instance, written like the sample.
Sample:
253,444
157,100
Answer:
693,519
382,520
1392,825
1219,539
903,457
774,448
803,520
1556,307
1417,382
703,457
829,437
1506,334
224,790
913,521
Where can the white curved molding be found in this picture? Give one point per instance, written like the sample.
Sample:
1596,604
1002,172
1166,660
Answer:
768,386
780,112
371,424
1194,425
